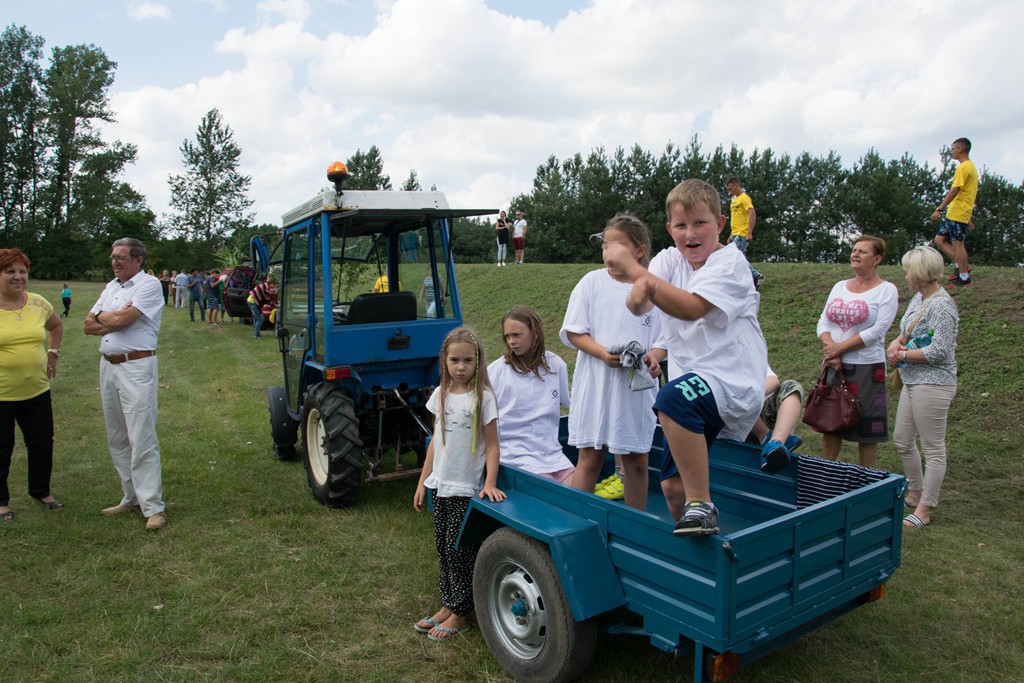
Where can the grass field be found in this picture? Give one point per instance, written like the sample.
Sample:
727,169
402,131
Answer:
254,581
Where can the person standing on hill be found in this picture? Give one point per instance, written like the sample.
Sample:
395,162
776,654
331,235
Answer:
519,237
958,205
742,218
127,319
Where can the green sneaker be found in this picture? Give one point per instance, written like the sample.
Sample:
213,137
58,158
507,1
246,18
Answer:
611,488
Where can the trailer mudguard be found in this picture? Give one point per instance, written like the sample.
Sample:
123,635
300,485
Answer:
577,547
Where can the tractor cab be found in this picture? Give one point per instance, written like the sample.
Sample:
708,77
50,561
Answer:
367,293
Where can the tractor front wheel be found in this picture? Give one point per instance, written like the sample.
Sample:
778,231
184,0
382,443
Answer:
333,449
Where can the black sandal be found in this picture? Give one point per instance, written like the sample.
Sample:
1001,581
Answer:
7,516
52,504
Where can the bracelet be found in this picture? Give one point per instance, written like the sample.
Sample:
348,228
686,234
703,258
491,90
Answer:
904,357
938,209
55,352
97,316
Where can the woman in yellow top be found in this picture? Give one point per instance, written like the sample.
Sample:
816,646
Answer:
30,338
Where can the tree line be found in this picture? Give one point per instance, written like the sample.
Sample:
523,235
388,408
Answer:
809,208
62,200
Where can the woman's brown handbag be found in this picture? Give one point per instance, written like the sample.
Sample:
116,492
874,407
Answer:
895,380
831,409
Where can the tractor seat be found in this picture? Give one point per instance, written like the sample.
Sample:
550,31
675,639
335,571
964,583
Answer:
383,307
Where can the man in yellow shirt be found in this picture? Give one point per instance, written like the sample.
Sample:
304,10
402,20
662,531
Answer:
959,205
742,219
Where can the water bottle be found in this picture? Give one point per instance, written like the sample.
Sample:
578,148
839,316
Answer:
918,342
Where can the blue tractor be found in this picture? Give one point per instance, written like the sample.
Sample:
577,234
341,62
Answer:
367,293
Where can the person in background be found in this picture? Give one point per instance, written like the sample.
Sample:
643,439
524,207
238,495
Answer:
742,219
165,285
501,227
30,338
519,229
258,297
959,207
852,327
65,298
195,294
180,289
929,382
210,284
126,317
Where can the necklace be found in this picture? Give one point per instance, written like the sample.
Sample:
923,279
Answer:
17,311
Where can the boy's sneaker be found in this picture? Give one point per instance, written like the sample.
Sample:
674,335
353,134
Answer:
611,488
758,281
774,457
960,282
956,274
793,442
700,519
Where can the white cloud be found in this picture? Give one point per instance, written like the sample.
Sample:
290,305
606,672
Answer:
141,11
474,100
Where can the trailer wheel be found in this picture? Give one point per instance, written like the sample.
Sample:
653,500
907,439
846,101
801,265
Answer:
283,429
523,612
333,450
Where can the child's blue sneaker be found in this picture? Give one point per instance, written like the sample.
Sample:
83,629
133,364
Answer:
793,442
774,457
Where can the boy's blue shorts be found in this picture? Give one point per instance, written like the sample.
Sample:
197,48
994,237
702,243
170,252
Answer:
688,402
954,230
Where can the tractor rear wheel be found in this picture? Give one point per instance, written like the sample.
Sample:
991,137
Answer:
333,450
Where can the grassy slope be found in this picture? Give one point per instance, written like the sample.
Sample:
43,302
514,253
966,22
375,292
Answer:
253,580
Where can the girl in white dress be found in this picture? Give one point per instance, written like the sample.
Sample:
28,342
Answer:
605,412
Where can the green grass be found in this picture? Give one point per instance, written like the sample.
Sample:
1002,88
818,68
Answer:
254,581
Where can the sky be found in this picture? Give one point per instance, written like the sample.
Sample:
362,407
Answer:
474,95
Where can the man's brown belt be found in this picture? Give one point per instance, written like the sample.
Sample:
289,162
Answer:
116,358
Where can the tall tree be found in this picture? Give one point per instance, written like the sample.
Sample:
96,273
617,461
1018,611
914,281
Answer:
21,147
412,183
210,198
75,86
366,170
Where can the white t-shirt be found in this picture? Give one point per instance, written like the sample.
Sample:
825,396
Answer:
519,228
726,346
146,294
459,470
530,409
604,411
869,314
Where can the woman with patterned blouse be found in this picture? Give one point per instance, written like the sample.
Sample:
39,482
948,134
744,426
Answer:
929,382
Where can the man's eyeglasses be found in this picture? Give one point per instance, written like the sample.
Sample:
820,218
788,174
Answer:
119,258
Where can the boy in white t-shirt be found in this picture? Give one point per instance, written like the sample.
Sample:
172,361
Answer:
712,337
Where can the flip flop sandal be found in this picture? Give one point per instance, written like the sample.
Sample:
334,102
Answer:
8,516
449,633
424,620
914,521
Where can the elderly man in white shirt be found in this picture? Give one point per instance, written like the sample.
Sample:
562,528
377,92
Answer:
127,319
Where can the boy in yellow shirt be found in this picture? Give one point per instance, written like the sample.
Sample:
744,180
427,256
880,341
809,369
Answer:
959,205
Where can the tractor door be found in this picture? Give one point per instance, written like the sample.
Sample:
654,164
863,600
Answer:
293,323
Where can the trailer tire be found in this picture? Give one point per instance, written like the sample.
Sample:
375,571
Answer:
523,613
333,452
283,429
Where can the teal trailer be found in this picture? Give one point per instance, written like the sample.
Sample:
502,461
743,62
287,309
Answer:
796,550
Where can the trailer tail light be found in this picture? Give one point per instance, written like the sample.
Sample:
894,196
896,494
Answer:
723,666
876,593
344,372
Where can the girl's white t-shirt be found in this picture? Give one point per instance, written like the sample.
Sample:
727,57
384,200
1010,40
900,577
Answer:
869,314
529,412
458,468
605,412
